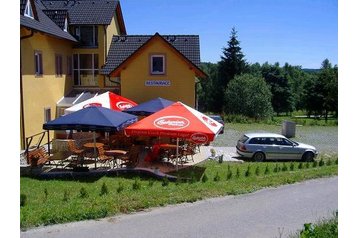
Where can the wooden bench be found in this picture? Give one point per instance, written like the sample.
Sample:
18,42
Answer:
38,157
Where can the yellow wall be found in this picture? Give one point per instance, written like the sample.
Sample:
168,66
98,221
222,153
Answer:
112,29
137,71
43,91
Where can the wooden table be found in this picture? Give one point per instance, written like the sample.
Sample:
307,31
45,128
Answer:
117,155
94,146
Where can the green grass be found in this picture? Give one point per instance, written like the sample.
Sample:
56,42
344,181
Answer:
66,201
326,228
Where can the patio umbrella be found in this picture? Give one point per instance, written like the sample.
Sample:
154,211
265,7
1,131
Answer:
108,100
92,119
149,107
177,121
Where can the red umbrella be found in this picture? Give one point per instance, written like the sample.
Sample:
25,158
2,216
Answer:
108,100
177,121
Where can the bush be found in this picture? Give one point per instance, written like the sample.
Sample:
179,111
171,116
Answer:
104,189
284,167
321,163
276,169
23,200
315,163
120,187
292,166
248,171
237,172
66,196
165,181
267,170
300,165
83,193
229,173
136,185
204,179
257,171
217,177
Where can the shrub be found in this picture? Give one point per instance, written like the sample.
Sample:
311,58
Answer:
315,163
300,165
23,200
46,193
217,177
329,162
321,163
267,169
336,162
248,171
257,171
237,172
229,173
66,196
136,185
307,165
104,189
204,179
83,193
165,181
150,183
284,167
292,166
276,169
120,187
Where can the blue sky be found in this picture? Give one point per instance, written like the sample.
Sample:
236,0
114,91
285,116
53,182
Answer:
300,32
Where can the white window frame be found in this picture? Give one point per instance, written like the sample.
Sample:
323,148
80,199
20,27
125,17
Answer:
151,64
47,114
38,63
28,10
78,69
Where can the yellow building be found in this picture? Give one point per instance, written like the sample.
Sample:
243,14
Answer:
72,50
63,46
156,66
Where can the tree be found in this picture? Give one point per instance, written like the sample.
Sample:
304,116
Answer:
248,95
206,89
232,63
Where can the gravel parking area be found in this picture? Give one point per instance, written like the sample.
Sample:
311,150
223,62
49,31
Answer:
324,138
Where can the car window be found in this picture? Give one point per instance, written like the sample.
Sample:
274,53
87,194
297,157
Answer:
243,139
282,141
270,141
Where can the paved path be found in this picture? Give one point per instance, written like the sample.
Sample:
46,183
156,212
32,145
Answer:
260,214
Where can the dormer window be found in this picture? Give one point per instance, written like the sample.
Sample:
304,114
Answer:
28,10
86,35
65,27
157,64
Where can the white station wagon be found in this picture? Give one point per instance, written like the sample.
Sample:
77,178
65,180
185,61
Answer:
262,146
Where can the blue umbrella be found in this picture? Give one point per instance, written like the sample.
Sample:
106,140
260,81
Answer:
149,107
92,119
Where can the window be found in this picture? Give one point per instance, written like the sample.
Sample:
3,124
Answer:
85,69
157,64
38,63
47,114
28,10
58,65
86,35
69,65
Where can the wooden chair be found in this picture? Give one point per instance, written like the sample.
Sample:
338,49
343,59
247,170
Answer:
103,158
76,153
38,157
131,159
189,150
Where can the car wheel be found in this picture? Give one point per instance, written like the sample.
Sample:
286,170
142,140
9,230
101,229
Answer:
259,157
308,157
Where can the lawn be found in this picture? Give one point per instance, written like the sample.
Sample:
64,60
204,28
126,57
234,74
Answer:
45,202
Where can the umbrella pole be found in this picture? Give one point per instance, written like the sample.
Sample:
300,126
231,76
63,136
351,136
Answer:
177,154
94,150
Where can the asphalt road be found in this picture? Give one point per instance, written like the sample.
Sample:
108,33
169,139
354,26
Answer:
267,213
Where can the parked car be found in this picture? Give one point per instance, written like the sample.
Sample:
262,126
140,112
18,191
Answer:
220,120
262,146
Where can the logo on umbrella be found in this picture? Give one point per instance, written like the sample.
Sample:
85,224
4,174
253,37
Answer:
171,122
199,138
209,121
123,105
93,104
